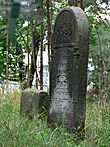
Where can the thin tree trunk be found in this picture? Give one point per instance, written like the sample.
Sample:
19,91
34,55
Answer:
101,62
7,71
28,71
102,77
81,4
38,39
33,56
102,92
41,59
26,42
49,34
41,53
76,3
27,46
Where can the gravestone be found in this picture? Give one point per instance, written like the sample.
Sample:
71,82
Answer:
33,102
68,71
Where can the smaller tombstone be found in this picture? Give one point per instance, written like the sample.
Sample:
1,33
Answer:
33,102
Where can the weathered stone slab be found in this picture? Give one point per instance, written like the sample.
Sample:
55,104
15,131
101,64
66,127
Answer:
33,102
69,69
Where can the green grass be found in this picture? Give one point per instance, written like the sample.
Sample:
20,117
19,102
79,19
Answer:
17,131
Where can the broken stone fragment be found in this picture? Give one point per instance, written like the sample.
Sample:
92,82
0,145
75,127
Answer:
33,102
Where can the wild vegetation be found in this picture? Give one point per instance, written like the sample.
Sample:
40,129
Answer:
18,131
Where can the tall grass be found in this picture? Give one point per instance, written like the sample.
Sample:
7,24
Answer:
17,131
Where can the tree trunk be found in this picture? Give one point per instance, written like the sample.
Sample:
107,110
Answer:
49,34
103,84
41,53
81,4
32,68
27,46
7,72
38,39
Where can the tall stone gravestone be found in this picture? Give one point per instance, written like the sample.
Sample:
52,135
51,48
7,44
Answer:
69,70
